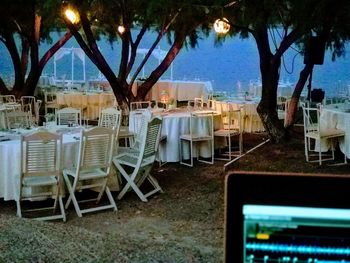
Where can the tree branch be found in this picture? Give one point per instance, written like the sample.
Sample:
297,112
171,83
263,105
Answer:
164,29
3,89
287,41
134,47
143,62
12,49
163,66
46,57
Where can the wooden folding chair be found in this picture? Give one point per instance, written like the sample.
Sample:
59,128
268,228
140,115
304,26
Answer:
93,168
110,118
140,160
67,116
41,172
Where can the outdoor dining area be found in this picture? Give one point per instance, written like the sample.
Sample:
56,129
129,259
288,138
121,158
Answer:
71,141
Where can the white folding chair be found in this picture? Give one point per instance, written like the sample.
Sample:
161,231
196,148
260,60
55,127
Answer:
231,127
92,170
140,105
18,119
140,160
282,110
7,99
32,105
110,118
68,116
130,134
313,132
201,130
41,172
50,101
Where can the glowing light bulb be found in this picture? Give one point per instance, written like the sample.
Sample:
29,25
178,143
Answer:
71,15
221,26
121,29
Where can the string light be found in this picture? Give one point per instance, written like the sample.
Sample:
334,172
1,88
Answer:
221,25
121,29
71,16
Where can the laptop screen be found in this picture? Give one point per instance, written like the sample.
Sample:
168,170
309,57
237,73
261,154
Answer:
280,217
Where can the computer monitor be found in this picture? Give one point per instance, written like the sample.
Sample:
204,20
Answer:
287,217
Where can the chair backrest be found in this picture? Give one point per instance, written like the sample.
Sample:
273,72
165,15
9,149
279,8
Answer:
212,104
138,124
140,105
68,116
18,119
198,102
96,148
28,103
150,138
7,99
110,118
41,154
232,118
311,119
202,124
50,97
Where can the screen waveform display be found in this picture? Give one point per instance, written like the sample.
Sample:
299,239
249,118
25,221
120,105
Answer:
296,234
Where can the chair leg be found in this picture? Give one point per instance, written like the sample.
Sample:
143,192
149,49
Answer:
19,211
62,208
229,147
111,199
306,143
181,157
191,153
71,196
103,188
130,183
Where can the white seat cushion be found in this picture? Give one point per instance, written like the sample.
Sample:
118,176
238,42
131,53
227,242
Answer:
39,180
86,174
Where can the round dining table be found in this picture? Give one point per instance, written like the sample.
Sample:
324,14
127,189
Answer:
174,124
338,116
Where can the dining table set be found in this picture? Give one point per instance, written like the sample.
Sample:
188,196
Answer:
10,155
185,133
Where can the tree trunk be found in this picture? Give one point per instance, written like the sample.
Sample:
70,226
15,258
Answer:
17,66
268,104
293,105
269,68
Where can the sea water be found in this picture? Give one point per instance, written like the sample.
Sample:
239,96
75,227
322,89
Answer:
231,66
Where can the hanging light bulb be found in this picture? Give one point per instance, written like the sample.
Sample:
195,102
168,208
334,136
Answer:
121,29
71,16
222,25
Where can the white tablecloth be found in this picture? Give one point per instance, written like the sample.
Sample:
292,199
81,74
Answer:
90,103
181,90
175,124
338,116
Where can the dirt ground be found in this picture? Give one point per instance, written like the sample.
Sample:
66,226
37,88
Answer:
183,224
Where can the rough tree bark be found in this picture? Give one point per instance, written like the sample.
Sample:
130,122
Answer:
293,105
269,68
